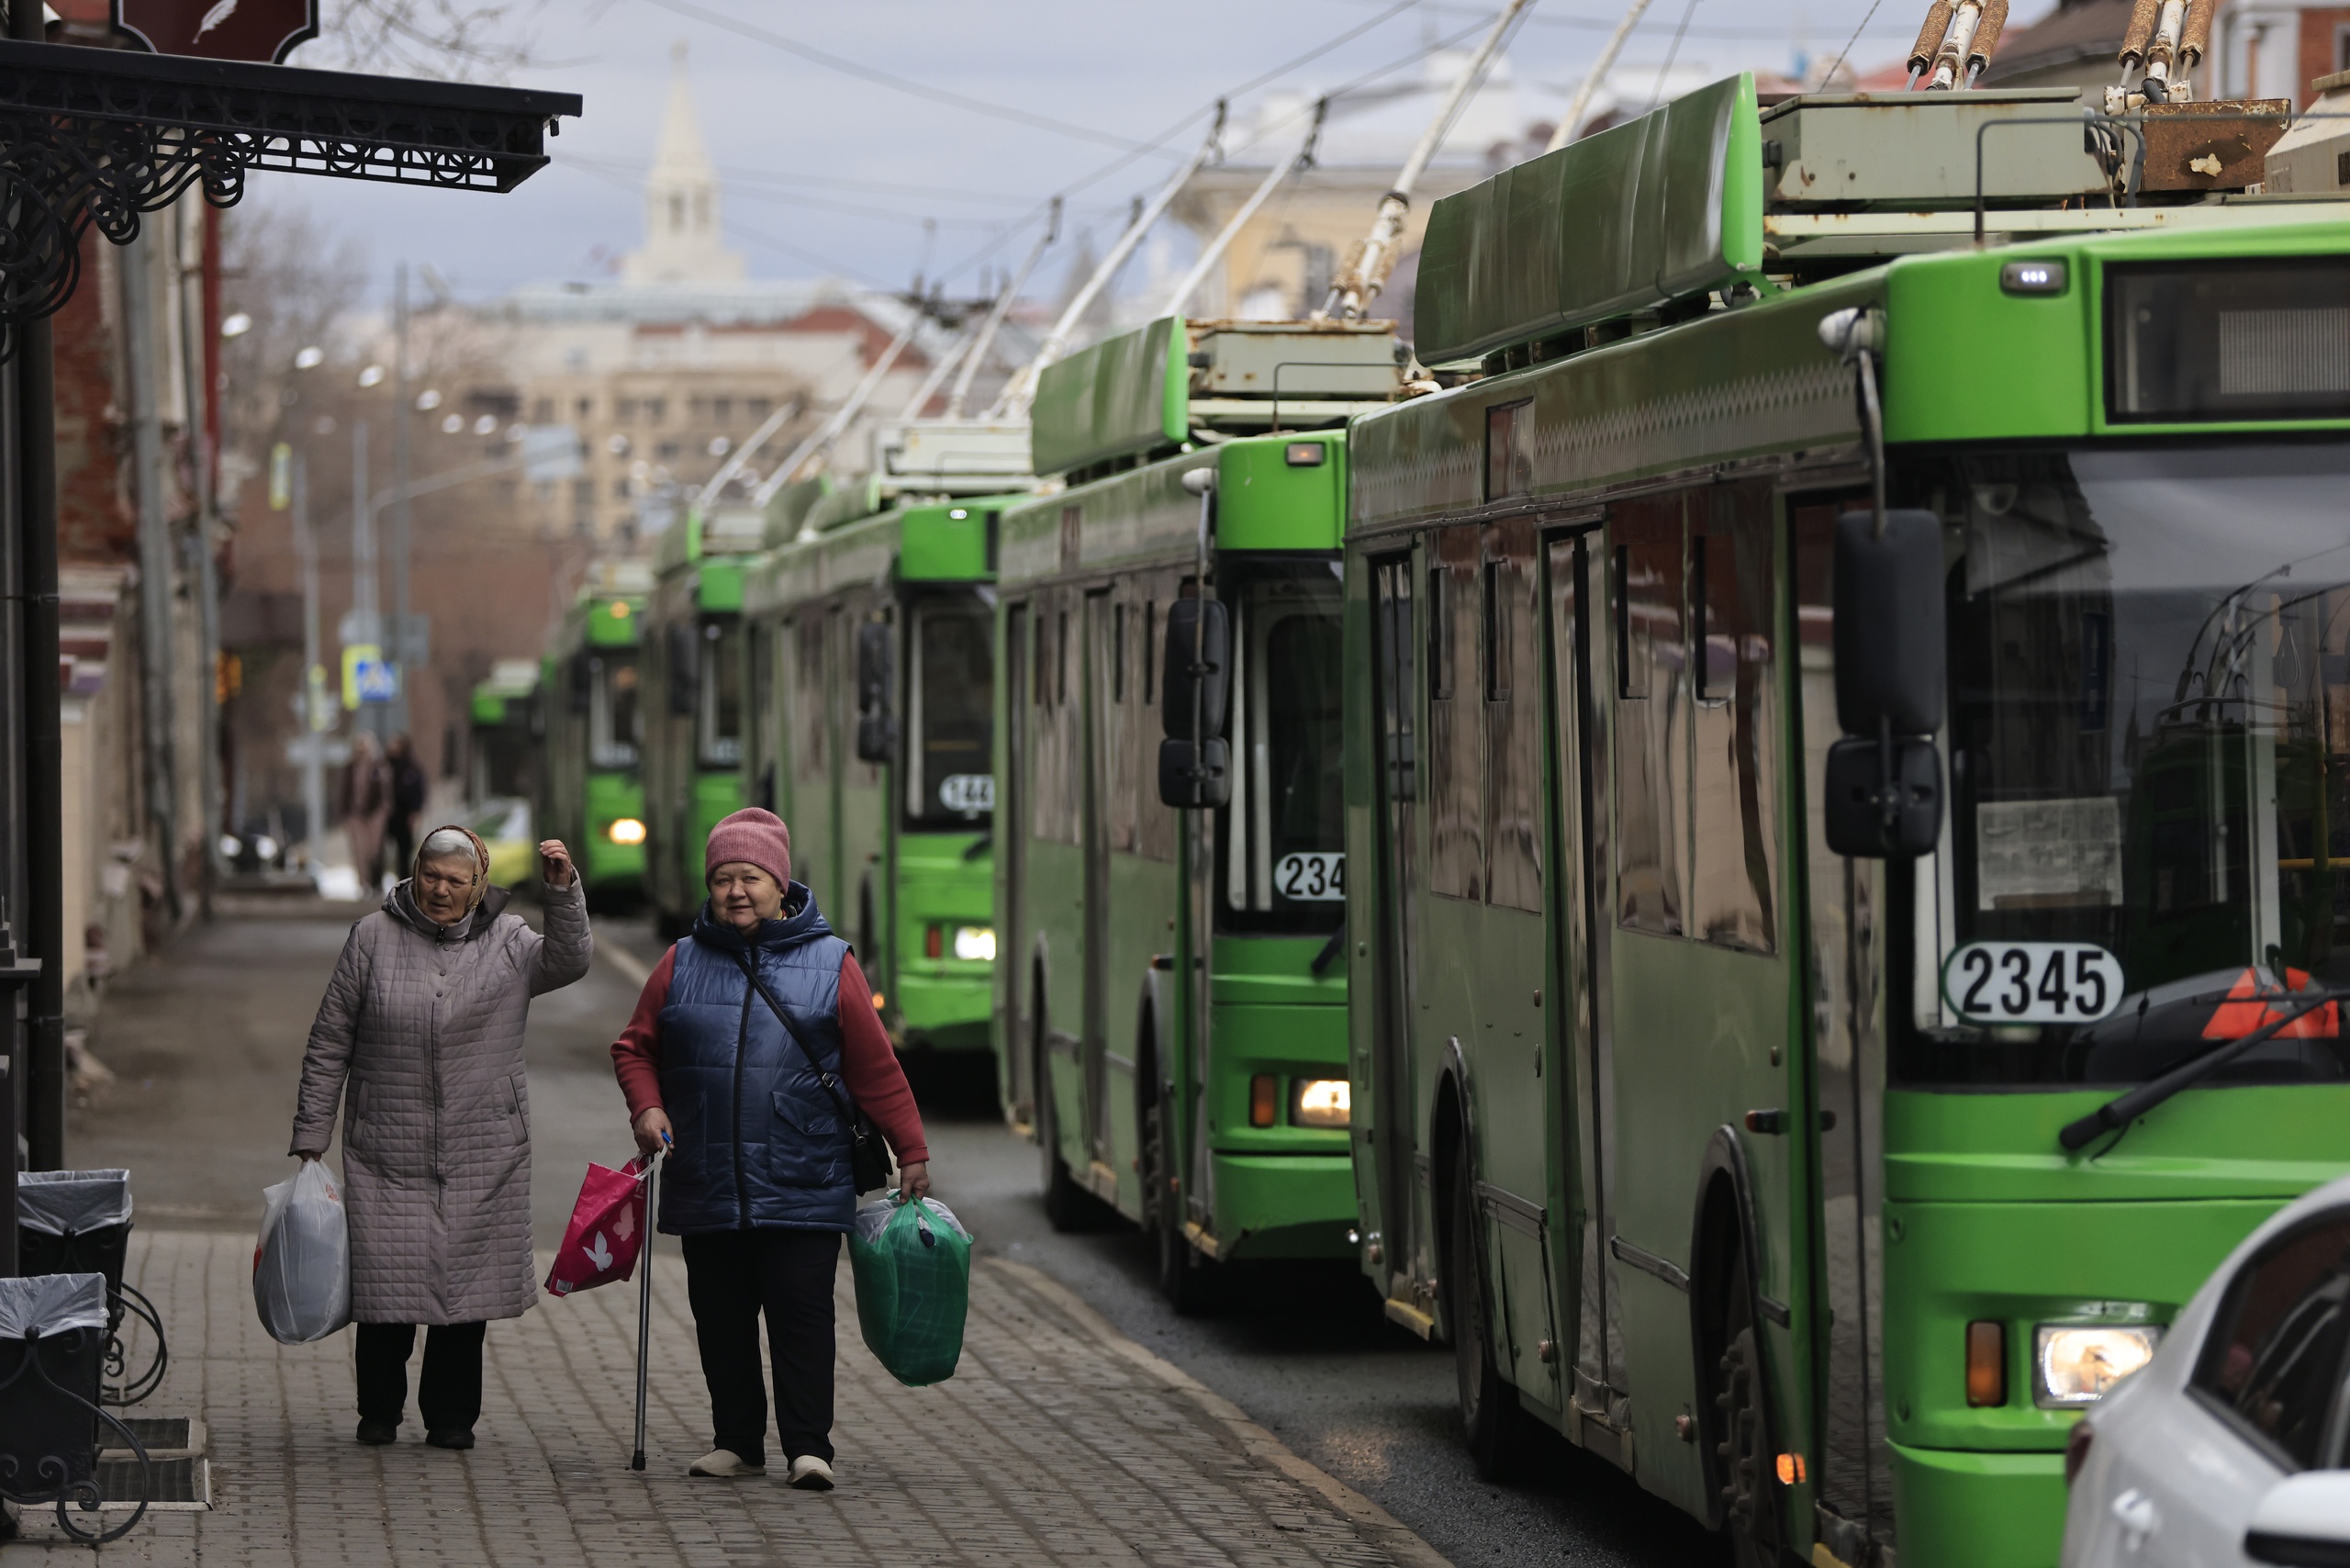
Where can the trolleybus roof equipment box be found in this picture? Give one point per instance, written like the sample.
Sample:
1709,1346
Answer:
1134,395
1718,192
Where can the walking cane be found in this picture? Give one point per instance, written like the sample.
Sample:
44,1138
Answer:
644,1295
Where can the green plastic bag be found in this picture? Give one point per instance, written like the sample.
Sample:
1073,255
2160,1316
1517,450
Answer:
912,1265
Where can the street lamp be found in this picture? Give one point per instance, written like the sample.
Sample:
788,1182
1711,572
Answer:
310,358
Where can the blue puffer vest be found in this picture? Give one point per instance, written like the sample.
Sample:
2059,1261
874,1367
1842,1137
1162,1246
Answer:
759,1141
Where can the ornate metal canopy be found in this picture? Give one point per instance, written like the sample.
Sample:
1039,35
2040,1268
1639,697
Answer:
99,136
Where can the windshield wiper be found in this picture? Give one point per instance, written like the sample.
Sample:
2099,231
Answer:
2129,1107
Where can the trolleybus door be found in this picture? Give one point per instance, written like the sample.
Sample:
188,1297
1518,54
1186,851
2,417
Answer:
1580,831
1396,1118
1843,958
1013,1003
1099,738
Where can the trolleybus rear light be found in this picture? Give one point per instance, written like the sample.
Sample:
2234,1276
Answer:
1263,1103
1987,1363
1304,455
934,942
1791,1471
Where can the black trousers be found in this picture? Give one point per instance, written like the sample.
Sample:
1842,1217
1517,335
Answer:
399,842
731,1277
448,1394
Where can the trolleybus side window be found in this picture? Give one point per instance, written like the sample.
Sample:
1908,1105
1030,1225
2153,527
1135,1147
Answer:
2149,752
1734,844
1116,729
949,724
1455,738
1513,718
1650,732
1058,796
1155,827
810,709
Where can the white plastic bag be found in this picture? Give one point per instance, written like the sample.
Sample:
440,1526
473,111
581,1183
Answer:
302,1265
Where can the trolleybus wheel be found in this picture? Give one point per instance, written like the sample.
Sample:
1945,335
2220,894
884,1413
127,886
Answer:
1187,1280
1487,1403
1741,1448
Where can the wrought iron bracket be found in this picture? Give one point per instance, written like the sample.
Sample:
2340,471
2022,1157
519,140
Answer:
100,136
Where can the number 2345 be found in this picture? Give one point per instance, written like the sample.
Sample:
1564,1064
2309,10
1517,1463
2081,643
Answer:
2031,982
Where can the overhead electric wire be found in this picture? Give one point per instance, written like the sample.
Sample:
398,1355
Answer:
1846,51
837,269
1389,69
1603,24
1656,94
922,90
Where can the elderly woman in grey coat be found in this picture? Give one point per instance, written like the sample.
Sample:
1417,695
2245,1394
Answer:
423,1021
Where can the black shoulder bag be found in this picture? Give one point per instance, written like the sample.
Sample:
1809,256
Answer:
869,1163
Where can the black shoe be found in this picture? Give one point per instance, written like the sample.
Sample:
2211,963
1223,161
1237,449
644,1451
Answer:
377,1433
451,1437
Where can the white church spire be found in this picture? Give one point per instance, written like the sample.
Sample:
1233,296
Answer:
682,243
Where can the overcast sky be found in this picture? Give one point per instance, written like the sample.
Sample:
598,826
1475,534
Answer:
799,143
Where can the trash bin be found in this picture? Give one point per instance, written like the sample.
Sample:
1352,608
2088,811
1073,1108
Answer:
74,1222
52,1338
78,1222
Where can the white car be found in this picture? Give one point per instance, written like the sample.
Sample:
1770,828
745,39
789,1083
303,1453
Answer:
2231,1445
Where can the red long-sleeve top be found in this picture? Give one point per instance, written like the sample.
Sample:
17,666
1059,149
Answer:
868,1064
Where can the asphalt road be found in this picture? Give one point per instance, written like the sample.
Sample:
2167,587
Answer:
205,1044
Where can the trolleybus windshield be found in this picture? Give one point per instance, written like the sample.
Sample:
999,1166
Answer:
1283,863
615,728
949,781
2149,751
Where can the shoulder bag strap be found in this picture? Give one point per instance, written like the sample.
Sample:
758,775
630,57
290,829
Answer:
841,1101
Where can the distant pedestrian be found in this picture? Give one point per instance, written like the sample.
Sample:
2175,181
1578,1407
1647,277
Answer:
365,805
758,1183
409,786
423,1019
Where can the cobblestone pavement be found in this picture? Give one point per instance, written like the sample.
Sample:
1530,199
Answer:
1058,1441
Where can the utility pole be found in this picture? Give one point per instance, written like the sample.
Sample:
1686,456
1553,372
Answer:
156,707
314,682
366,597
396,646
44,841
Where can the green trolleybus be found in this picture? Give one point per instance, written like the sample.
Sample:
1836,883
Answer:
870,637
1170,1013
693,712
502,760
1832,707
591,786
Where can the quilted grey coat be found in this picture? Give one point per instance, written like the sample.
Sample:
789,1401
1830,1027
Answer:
428,1029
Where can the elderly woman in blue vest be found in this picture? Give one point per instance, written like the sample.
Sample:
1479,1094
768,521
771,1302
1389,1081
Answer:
727,1060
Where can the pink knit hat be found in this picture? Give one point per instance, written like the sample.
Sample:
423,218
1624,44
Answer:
753,835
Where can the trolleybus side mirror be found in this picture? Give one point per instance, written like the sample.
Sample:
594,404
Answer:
877,727
1194,764
1889,624
1883,789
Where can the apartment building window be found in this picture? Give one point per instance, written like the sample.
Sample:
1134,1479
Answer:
722,409
757,409
585,408
624,410
542,411
653,408
667,452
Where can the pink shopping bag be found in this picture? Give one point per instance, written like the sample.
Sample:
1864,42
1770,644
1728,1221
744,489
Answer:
606,1229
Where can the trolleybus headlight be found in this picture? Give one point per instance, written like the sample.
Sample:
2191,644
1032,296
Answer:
976,942
625,829
1322,1103
2076,1364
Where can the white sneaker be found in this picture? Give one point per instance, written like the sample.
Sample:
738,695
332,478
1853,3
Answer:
811,1474
723,1463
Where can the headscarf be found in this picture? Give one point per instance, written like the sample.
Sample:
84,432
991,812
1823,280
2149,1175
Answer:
438,845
